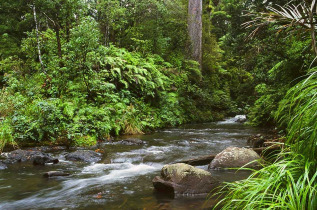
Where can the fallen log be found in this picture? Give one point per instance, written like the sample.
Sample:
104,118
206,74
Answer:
199,161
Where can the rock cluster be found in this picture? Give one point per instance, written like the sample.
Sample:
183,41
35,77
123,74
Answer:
37,157
184,179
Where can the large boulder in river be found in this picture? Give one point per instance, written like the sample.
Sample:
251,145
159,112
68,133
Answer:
87,156
235,157
181,178
19,155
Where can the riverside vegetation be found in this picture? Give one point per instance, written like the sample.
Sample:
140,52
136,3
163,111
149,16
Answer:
77,72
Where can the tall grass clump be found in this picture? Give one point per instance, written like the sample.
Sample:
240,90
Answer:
298,112
285,184
290,182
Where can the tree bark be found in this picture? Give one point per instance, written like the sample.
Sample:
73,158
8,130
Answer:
195,28
58,40
312,31
37,38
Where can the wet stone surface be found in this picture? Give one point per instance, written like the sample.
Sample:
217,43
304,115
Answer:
87,156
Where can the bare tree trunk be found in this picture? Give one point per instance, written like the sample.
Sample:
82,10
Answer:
58,40
195,28
37,38
107,35
312,31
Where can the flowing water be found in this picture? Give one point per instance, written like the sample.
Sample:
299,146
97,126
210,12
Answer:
122,180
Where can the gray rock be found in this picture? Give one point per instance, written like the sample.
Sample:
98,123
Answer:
234,157
131,142
240,118
180,179
87,156
3,166
28,155
42,159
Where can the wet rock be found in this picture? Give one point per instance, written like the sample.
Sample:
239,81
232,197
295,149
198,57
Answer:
55,173
42,159
3,166
258,143
28,155
131,142
181,178
87,156
240,118
234,157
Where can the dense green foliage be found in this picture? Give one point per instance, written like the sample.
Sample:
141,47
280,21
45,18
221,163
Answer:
74,72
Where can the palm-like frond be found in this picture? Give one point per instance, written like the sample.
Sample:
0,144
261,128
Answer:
299,18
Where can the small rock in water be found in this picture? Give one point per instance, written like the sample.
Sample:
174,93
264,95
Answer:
41,160
131,142
3,166
240,118
55,173
87,156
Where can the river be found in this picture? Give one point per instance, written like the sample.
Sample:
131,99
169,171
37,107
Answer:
122,180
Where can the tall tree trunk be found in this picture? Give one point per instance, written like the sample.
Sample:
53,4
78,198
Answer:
312,29
107,35
38,38
195,8
58,40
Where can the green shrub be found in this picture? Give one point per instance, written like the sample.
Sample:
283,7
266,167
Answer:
85,141
6,134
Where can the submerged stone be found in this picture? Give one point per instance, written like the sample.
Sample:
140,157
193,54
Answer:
55,173
131,142
3,166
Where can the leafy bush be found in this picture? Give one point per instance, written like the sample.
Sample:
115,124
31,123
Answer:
6,134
